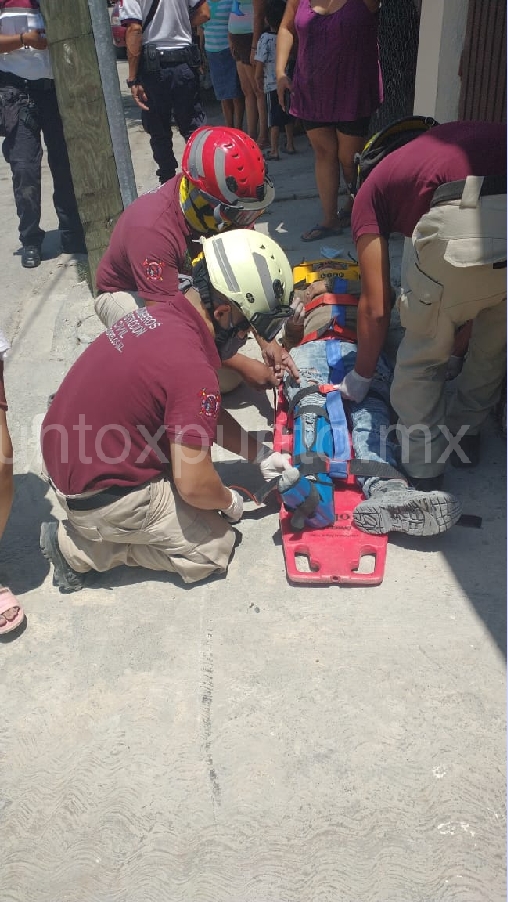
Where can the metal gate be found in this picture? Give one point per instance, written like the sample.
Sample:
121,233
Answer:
483,63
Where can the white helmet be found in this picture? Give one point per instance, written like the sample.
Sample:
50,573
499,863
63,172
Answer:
253,272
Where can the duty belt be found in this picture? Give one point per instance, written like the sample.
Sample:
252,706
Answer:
101,499
154,57
492,184
8,79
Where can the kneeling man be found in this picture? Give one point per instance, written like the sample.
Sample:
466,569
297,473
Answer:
127,439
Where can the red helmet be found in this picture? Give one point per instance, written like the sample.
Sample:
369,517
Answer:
228,167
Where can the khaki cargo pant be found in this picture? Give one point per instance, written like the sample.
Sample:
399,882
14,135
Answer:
111,307
450,278
151,527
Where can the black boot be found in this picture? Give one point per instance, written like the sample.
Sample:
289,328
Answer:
67,579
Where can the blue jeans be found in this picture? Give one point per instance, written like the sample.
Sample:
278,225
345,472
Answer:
370,420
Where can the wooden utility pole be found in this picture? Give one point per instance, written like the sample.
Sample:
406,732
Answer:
97,143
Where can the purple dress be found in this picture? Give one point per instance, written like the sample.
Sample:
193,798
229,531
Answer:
337,74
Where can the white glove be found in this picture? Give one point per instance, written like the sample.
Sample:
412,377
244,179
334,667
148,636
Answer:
274,465
354,387
234,512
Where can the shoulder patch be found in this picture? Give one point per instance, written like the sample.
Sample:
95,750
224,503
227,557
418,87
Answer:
210,403
154,269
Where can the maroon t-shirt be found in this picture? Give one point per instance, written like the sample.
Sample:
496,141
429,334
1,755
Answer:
399,190
151,242
148,381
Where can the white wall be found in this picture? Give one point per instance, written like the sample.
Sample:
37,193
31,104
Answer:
442,32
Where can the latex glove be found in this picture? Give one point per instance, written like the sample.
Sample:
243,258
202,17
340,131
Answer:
234,512
354,387
274,465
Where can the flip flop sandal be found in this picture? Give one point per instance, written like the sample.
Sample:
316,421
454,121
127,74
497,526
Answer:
271,159
317,233
8,600
290,152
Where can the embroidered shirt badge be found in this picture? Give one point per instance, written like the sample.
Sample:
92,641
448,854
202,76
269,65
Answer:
154,269
210,403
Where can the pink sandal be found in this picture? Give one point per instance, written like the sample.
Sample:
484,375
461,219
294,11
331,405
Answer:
7,601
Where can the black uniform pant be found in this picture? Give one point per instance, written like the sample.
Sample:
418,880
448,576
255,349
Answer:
173,91
29,109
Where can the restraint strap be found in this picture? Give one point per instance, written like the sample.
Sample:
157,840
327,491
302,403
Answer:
314,389
332,300
331,330
310,463
312,408
368,468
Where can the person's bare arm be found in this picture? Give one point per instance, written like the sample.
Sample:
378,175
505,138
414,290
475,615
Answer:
277,358
257,374
372,5
196,479
375,302
134,45
258,74
232,437
34,38
285,39
199,15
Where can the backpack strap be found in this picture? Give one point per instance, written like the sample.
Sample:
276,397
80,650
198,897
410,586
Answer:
151,13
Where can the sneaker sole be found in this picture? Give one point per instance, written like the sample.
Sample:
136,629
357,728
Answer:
68,582
426,514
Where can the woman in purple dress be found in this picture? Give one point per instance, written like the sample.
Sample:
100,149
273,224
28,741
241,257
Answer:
335,89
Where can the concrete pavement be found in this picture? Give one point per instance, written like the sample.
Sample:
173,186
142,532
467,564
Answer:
244,740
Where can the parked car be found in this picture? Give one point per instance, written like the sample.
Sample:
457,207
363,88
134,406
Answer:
118,31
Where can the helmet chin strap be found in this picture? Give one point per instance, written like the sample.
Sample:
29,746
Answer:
227,340
197,209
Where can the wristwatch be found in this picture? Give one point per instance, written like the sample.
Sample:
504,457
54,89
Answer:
131,82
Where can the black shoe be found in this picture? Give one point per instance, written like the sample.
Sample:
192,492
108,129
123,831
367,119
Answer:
67,579
30,257
470,456
428,483
403,509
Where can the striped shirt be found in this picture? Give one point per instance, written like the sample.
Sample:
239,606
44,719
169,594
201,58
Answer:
216,30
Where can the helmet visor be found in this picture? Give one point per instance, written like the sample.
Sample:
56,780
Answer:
267,325
235,216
